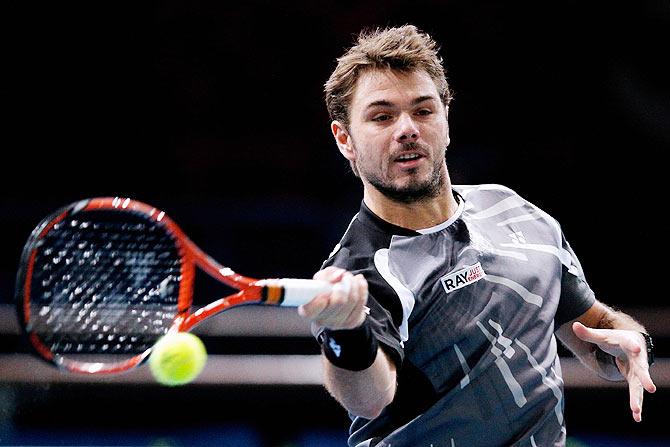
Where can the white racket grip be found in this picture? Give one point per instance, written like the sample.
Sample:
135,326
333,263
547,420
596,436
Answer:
301,291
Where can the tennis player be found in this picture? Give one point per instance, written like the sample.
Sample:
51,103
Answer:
441,330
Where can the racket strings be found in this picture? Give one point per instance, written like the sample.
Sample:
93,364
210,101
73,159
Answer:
104,285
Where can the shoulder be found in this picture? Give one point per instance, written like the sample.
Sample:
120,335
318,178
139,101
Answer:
501,202
358,245
490,194
484,191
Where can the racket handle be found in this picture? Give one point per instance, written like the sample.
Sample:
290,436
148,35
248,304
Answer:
300,291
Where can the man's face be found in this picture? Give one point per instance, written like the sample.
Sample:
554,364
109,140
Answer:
398,134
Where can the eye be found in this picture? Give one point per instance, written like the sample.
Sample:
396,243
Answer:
424,112
381,117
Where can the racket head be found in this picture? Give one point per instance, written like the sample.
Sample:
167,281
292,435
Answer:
100,281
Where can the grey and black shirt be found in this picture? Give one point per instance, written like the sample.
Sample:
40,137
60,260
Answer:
467,311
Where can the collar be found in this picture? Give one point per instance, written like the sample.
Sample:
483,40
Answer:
369,218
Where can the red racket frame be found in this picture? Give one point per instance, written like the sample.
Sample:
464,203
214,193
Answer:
251,290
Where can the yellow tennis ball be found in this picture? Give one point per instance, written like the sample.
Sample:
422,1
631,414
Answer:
177,358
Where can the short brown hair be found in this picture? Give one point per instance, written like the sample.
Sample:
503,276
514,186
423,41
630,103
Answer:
403,48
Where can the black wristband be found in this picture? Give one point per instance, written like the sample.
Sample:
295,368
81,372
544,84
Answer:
650,348
352,349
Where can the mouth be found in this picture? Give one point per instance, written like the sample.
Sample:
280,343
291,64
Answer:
408,160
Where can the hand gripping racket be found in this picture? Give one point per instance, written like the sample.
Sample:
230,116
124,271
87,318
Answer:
101,280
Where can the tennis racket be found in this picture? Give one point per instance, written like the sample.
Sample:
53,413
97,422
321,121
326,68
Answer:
101,280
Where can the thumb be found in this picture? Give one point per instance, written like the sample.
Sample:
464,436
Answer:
584,333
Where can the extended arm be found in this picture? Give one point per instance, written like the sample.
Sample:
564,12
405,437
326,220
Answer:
611,344
363,392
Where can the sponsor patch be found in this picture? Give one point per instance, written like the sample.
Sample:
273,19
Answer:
461,278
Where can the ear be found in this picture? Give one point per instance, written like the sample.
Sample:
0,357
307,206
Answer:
343,140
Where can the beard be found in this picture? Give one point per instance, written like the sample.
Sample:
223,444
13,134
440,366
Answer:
414,191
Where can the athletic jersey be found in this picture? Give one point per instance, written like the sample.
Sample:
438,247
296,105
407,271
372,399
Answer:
467,311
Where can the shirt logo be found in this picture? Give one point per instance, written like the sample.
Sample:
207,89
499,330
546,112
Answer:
463,277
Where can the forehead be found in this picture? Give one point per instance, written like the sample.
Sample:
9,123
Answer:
393,86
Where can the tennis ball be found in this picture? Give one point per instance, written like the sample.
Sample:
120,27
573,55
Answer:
177,358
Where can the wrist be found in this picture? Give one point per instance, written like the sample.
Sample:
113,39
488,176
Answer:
350,349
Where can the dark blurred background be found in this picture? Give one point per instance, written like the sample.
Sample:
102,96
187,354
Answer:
213,111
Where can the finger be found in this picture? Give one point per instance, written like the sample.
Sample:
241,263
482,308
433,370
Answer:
320,302
339,305
343,286
358,297
636,364
331,274
636,393
647,383
356,316
642,376
639,368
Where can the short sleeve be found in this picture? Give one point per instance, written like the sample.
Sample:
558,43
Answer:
385,308
576,295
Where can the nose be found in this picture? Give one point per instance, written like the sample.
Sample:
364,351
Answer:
406,129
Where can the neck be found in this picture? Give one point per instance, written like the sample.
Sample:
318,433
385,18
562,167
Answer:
414,216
